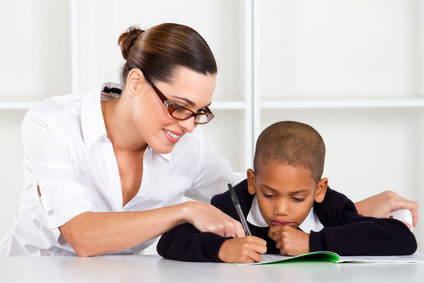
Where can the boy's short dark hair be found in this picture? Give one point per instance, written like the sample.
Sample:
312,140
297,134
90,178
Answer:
291,143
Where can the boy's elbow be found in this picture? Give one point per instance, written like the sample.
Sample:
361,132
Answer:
412,245
163,246
407,249
413,249
407,243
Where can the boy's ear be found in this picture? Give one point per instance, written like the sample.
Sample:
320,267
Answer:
321,190
251,182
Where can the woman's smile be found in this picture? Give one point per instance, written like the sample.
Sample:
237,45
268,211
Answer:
172,136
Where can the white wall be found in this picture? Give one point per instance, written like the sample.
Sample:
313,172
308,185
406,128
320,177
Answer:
349,48
332,49
35,49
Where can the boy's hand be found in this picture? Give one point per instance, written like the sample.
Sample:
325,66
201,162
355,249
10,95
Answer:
242,250
289,240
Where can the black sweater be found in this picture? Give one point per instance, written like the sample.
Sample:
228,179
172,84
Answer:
345,231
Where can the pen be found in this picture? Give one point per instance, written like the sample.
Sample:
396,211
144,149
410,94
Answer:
236,203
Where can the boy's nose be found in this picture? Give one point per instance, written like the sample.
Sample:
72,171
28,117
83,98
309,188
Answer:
281,208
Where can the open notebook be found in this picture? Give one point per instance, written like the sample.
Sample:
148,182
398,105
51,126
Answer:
333,257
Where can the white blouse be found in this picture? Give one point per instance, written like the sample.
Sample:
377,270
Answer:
68,155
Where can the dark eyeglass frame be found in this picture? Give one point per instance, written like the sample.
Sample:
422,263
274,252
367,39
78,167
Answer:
171,107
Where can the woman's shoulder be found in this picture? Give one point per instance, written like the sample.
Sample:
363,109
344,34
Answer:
56,110
50,107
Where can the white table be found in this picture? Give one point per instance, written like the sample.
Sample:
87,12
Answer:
155,269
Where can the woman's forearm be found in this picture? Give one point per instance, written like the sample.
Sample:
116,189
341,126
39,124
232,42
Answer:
382,204
95,233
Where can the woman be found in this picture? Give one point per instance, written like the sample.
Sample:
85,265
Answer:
105,170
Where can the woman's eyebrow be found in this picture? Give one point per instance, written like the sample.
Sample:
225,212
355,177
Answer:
188,101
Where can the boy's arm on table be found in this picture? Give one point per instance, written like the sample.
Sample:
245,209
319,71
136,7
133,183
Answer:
354,234
185,242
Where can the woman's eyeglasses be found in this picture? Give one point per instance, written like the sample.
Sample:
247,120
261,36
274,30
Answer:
179,112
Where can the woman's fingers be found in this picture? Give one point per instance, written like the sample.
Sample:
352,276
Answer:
207,218
403,203
238,230
395,202
382,204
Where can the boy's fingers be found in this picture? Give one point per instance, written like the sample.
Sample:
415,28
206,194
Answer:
274,229
261,249
258,240
278,244
259,246
283,251
274,232
255,256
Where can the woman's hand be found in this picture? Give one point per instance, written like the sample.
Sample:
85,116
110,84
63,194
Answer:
242,250
382,204
289,240
207,218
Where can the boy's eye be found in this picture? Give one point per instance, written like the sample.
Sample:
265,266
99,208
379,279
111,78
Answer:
267,195
298,199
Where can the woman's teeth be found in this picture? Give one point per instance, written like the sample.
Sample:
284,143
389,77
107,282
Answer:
172,135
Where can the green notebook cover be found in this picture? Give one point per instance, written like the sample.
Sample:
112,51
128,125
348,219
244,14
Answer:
312,256
327,256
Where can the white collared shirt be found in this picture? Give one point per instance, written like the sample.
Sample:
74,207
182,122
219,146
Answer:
311,222
68,155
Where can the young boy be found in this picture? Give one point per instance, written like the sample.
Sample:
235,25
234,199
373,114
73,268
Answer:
289,209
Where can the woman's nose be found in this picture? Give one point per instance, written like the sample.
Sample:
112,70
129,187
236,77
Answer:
187,125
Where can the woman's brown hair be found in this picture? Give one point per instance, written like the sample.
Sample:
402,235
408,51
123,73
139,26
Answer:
160,49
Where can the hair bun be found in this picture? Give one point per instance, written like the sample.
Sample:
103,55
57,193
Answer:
127,40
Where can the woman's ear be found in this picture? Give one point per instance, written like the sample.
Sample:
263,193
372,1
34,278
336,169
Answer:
135,81
251,182
321,190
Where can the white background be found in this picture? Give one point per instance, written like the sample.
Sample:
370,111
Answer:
363,58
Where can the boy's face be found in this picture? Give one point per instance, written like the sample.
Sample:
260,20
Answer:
285,193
